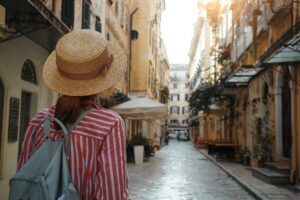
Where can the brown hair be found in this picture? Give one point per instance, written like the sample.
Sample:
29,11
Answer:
68,108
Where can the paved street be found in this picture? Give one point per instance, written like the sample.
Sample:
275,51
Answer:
180,172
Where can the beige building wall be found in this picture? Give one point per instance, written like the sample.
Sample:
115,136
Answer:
145,50
141,63
117,30
148,60
179,85
11,63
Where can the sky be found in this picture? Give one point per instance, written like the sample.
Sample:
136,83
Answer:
177,29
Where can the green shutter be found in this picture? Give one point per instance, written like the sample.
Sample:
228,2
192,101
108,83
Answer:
85,15
67,12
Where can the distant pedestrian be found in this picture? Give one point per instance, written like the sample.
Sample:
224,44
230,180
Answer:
167,139
178,136
84,64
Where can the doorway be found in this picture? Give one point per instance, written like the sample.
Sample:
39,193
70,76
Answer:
286,114
25,116
244,122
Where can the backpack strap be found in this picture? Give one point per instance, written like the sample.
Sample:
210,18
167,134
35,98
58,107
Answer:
47,122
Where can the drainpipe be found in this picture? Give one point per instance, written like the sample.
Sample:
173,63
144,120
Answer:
130,44
254,33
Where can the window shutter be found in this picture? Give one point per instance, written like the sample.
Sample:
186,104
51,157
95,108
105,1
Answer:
98,26
86,15
67,12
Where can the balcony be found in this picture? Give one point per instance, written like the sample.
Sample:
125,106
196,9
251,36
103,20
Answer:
243,41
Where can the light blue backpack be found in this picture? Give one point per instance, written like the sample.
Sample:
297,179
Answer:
46,176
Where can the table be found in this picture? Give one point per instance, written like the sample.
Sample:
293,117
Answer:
222,149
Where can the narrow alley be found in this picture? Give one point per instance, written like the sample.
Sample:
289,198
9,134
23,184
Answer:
178,171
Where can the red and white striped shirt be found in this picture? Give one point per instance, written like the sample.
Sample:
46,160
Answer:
97,153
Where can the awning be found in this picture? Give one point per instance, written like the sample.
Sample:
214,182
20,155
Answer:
286,49
142,108
242,76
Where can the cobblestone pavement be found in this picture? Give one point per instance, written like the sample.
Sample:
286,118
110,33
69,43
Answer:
179,172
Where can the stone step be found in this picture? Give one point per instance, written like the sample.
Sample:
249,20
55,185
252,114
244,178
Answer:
280,167
270,176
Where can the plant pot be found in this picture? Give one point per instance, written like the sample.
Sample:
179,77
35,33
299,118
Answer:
139,154
257,163
246,160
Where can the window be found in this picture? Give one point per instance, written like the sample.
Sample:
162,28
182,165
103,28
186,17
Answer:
186,97
67,12
86,12
185,110
187,75
183,121
174,121
175,97
175,110
175,85
187,85
108,36
28,72
98,26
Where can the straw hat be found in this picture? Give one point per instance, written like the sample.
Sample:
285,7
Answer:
84,63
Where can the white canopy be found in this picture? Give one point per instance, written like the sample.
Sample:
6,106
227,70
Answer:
141,108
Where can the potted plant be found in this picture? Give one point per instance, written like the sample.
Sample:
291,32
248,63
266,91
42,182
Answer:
138,142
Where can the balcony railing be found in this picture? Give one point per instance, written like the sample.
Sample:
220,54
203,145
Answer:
243,41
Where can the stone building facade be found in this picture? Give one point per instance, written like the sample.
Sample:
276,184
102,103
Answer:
179,96
257,53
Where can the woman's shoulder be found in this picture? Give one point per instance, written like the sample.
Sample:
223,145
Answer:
108,114
38,118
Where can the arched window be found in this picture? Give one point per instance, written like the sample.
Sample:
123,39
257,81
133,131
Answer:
28,72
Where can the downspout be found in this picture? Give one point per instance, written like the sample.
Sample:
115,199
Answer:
130,45
254,33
